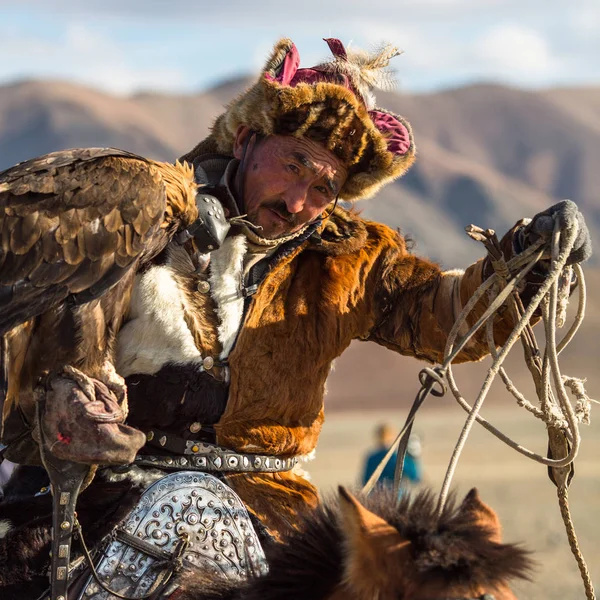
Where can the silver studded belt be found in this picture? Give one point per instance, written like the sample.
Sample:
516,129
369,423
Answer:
201,456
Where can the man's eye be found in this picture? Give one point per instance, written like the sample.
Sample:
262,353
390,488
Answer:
293,168
322,189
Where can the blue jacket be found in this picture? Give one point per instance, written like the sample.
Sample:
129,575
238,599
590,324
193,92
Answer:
412,467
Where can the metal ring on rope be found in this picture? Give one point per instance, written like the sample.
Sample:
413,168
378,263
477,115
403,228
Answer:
436,374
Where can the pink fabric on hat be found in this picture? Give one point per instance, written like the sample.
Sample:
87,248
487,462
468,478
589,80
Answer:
291,62
317,76
336,47
395,132
291,75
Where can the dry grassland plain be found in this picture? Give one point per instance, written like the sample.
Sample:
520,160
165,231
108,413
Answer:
517,488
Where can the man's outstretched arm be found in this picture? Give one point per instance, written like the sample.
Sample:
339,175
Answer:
418,303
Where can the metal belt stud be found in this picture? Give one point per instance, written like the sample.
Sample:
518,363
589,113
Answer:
203,287
195,427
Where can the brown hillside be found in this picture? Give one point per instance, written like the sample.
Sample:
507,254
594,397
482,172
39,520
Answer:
487,154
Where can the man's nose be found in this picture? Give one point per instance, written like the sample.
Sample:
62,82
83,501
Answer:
295,198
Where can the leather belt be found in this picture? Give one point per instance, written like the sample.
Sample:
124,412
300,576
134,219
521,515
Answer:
211,458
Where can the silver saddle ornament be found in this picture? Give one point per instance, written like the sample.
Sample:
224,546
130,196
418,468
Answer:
186,505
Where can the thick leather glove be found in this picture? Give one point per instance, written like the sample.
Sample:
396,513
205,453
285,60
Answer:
542,225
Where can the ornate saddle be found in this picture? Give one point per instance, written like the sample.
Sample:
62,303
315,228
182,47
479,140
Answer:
187,518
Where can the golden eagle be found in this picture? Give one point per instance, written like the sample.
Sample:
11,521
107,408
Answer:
76,226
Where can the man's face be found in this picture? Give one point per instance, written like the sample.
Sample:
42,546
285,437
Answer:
288,182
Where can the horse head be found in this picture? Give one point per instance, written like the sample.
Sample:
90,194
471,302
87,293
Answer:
410,552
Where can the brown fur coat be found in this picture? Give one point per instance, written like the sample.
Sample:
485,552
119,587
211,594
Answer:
360,282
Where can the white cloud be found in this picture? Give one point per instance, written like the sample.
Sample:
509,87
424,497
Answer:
124,46
260,10
514,49
86,56
584,22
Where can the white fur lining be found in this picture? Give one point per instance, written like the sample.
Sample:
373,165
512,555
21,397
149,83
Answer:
157,332
226,273
5,527
450,288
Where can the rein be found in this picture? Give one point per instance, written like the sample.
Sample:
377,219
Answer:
555,408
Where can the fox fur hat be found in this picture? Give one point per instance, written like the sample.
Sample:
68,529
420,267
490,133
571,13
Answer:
331,104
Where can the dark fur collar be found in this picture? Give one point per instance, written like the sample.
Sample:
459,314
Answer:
344,232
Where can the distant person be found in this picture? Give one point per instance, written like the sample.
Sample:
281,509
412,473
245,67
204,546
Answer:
384,436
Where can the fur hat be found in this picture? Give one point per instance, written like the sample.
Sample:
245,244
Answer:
331,104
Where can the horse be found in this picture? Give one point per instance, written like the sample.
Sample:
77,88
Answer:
375,548
378,549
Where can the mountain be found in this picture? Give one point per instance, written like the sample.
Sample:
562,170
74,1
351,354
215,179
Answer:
487,154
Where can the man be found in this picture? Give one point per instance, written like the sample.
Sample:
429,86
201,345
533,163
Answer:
226,355
294,284
384,437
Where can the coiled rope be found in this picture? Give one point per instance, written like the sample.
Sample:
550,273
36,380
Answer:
555,409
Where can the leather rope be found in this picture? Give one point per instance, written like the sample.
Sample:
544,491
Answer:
560,417
568,419
563,503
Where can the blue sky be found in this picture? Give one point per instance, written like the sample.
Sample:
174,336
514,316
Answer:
182,47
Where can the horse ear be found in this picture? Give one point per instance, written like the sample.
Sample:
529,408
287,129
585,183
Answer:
370,543
360,522
482,515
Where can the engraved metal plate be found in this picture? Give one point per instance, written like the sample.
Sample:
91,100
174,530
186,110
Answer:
222,539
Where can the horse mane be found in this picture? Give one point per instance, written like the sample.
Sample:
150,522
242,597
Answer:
308,563
450,548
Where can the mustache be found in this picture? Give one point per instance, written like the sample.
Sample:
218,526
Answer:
279,207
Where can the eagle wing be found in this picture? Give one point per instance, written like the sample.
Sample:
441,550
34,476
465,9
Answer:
71,224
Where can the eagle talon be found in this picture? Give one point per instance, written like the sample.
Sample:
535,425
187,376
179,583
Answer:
116,384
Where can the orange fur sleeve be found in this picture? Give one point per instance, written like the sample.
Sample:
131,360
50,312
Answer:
417,304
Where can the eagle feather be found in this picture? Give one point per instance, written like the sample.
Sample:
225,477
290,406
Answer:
75,226
366,70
